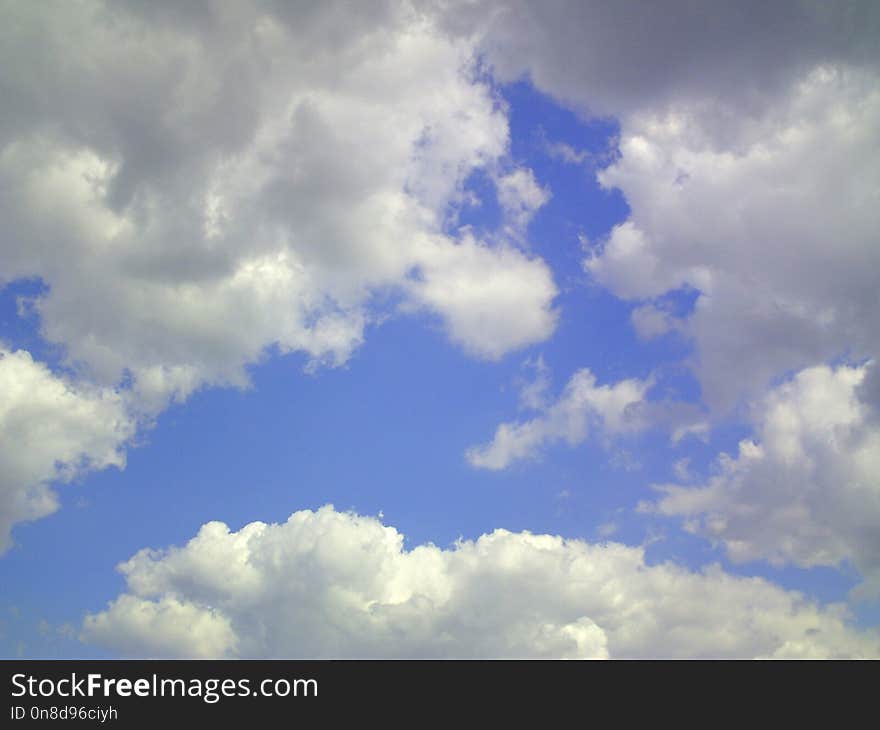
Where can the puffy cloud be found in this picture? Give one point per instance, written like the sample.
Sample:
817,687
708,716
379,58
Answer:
748,156
195,186
169,627
50,430
806,490
778,234
759,190
492,300
329,584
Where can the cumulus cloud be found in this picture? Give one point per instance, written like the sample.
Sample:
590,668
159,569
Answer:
806,490
748,156
331,584
197,185
779,235
51,430
492,300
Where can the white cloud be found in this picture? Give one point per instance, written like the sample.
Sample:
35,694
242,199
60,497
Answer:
582,407
759,190
492,300
520,197
777,232
328,584
806,490
195,186
198,183
748,156
50,431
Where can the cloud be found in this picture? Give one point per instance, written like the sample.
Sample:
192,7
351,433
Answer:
492,300
520,196
650,321
582,407
331,584
196,186
748,157
51,430
778,233
758,190
533,392
806,490
566,154
619,59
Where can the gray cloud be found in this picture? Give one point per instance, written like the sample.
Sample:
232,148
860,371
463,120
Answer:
806,490
617,58
198,184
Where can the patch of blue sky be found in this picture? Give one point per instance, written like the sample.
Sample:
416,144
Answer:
19,321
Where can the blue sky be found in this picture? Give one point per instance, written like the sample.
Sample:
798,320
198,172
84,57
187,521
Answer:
452,286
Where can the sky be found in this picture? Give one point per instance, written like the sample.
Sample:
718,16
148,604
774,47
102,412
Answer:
439,329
